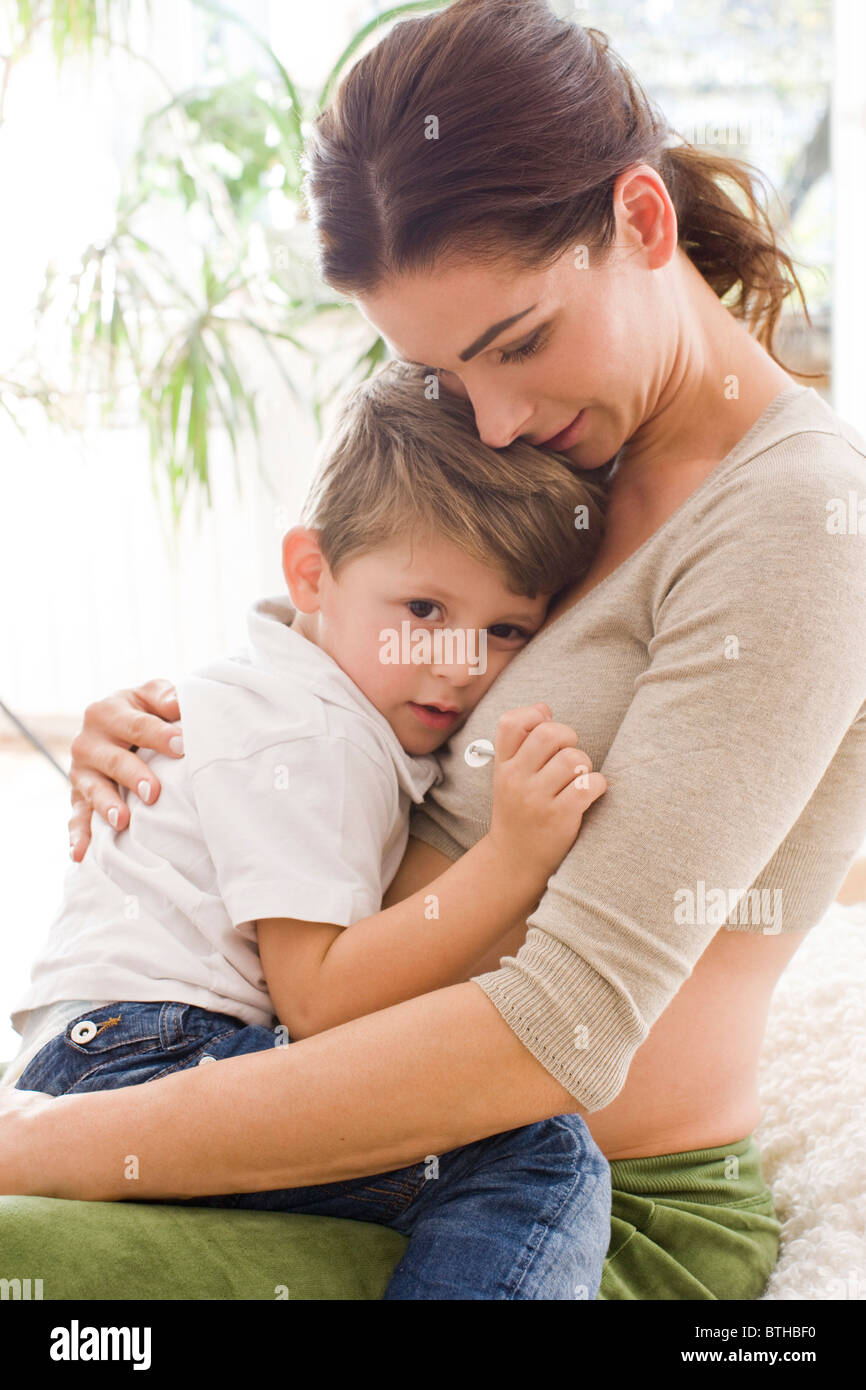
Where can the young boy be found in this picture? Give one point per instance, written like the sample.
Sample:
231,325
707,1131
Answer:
253,887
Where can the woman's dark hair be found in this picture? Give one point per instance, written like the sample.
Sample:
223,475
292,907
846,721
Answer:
536,118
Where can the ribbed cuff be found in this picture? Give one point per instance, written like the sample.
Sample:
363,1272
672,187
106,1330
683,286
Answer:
572,1021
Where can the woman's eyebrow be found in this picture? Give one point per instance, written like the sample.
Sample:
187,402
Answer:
492,332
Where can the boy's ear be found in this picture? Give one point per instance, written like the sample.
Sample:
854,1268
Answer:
303,563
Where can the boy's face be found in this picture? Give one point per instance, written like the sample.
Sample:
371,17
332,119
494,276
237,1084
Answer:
379,619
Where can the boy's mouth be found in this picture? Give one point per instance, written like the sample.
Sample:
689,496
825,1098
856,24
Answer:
435,716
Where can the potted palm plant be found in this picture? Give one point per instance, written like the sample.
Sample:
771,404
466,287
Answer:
180,348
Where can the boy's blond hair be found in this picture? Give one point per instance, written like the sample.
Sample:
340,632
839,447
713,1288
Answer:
398,463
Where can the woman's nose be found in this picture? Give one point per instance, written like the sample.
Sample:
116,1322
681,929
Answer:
499,422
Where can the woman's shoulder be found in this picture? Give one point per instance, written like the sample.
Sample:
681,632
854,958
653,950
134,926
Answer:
784,513
799,435
795,470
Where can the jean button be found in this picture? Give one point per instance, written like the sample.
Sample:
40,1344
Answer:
84,1031
201,1061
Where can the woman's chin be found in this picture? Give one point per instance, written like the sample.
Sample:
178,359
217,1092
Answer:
587,459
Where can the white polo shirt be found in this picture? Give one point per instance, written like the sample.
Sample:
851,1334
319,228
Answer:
292,800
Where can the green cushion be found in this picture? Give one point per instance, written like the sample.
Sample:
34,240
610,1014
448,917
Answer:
136,1250
133,1250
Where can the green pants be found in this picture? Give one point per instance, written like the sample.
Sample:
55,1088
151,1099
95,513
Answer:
692,1225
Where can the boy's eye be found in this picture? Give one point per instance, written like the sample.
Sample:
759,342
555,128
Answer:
508,632
425,603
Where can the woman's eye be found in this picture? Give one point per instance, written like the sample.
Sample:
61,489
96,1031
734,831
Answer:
525,350
416,603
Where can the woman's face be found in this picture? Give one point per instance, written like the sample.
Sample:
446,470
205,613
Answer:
531,350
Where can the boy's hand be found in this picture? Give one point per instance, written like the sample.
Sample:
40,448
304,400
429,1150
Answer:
542,785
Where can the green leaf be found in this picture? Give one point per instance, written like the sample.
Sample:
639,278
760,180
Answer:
176,383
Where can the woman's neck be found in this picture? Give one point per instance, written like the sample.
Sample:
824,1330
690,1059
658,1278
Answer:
716,384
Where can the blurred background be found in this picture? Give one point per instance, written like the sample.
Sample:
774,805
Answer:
169,361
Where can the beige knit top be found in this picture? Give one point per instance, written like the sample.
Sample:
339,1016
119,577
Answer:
717,678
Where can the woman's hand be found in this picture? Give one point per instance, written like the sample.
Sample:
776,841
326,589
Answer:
103,755
543,784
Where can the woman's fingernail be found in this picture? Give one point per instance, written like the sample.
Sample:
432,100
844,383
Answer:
72,845
113,815
144,790
176,743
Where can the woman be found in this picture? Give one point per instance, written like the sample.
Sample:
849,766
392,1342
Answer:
497,195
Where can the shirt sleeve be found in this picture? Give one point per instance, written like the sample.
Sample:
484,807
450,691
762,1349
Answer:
756,674
297,830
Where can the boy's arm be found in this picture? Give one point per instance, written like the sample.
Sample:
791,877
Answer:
320,975
421,863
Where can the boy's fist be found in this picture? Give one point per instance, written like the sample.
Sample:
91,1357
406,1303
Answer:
542,786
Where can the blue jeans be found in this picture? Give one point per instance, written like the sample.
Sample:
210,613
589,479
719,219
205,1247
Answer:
521,1215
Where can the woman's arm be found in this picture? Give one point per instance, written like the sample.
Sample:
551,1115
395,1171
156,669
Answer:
103,756
372,1095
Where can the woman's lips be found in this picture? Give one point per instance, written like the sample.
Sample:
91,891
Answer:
434,718
568,436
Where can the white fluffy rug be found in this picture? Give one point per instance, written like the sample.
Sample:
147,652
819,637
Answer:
812,1133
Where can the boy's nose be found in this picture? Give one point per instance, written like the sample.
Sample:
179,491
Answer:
458,655
458,676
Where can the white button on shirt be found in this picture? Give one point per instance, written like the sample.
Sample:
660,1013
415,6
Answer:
292,800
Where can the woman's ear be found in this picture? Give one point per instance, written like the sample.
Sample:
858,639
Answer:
303,565
645,211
